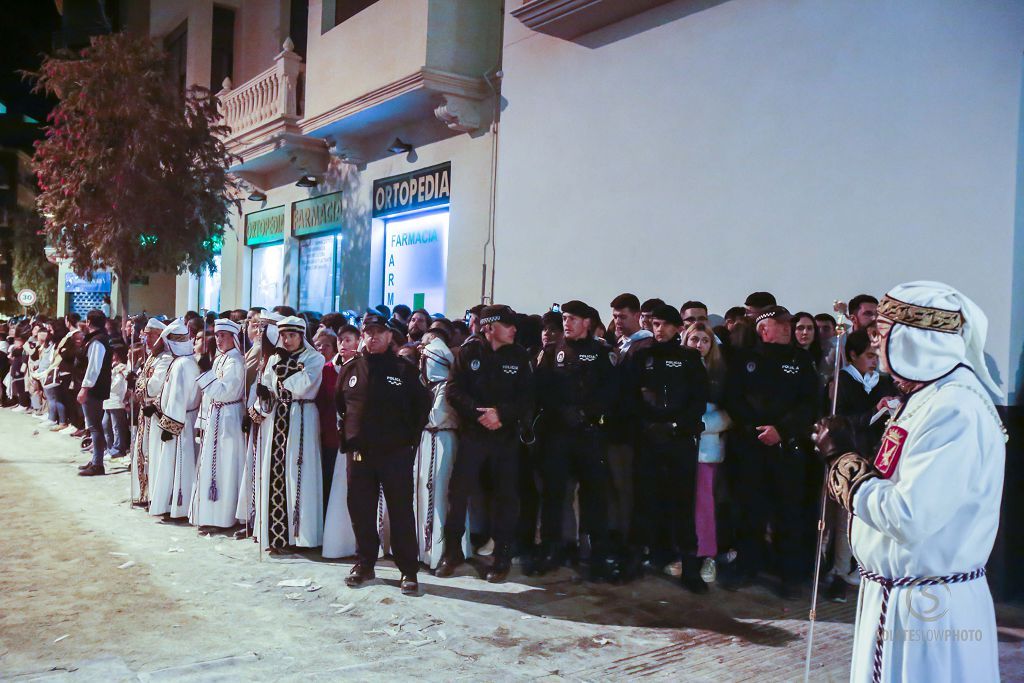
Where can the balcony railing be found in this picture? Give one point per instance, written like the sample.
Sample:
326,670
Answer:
274,96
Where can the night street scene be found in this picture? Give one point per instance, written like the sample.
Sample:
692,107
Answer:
512,340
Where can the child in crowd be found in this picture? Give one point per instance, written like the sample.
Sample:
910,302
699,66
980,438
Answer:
115,415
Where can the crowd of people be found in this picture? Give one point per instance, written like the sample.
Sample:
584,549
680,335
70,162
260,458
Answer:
660,443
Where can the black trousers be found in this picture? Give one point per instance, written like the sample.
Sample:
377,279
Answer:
391,470
491,460
664,474
582,453
328,458
769,489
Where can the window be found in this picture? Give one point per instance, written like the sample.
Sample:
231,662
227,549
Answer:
319,273
337,11
209,288
222,57
416,260
266,279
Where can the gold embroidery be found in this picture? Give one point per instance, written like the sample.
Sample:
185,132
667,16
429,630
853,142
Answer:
169,425
922,317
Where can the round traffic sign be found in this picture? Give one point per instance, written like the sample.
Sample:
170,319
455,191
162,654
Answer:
26,297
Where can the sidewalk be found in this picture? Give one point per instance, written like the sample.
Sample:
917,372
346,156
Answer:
94,590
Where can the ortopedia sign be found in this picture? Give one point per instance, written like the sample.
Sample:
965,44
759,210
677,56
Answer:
264,226
420,189
26,297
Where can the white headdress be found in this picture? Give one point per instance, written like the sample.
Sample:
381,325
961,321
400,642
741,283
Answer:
176,338
935,328
226,325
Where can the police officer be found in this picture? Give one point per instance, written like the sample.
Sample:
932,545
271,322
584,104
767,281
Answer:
491,388
772,396
666,392
382,409
576,388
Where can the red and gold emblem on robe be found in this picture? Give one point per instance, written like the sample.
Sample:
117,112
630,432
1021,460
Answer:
889,452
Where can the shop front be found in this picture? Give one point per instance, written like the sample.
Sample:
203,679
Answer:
264,236
411,212
317,225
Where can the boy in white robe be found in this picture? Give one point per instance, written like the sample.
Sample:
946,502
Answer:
222,453
147,390
289,511
926,506
178,408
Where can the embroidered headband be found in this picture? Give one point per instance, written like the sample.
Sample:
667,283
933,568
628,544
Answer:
921,317
177,337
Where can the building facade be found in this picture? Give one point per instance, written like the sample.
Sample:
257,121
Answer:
540,150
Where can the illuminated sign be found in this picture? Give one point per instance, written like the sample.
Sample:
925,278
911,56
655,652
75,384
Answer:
416,260
420,189
99,282
319,214
264,226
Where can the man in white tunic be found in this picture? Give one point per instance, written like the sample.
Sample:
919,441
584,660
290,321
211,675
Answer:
147,390
222,454
247,493
289,511
178,407
926,506
436,455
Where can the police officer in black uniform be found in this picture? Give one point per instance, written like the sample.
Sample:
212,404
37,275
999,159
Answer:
666,391
491,389
772,395
382,409
576,387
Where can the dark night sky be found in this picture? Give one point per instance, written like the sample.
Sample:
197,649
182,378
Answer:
26,34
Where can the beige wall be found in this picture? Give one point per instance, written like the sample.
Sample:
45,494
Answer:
813,149
381,44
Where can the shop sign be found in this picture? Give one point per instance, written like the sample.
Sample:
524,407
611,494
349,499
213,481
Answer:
99,282
316,215
264,226
420,189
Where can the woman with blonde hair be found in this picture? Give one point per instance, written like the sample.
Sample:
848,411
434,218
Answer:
711,450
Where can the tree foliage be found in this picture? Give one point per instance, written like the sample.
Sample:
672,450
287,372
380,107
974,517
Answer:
29,266
133,174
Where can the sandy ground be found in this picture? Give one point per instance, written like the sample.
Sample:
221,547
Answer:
93,590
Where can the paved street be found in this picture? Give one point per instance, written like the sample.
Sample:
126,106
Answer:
94,590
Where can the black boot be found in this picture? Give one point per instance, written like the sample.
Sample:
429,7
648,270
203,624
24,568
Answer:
690,577
453,556
502,564
551,558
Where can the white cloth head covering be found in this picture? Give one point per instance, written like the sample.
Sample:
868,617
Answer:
154,324
176,338
227,325
921,352
272,319
294,323
439,360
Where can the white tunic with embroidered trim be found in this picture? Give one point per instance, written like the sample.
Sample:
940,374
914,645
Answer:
245,511
303,422
147,439
222,453
171,482
937,515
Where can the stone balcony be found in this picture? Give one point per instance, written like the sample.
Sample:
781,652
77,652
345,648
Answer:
263,114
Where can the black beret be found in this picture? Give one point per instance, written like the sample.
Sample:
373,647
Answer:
551,321
668,314
577,308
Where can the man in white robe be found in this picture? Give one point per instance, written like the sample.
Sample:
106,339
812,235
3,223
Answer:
178,408
926,506
147,390
247,491
222,454
289,510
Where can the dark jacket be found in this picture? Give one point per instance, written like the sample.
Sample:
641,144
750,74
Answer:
667,383
858,405
577,383
773,384
381,403
484,378
101,389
